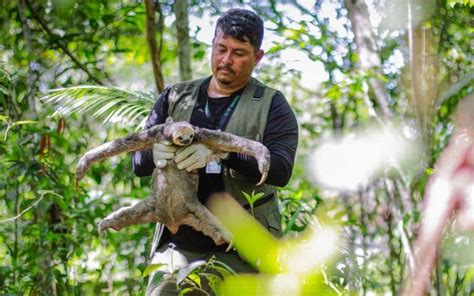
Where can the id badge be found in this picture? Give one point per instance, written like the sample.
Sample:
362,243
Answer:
213,167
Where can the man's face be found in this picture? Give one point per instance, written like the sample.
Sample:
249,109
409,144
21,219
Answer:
232,61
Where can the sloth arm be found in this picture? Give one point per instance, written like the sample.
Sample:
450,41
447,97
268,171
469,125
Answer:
281,139
142,161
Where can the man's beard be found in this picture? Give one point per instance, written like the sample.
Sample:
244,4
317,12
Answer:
224,81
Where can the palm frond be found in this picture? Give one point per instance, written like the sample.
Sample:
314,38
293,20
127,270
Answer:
109,104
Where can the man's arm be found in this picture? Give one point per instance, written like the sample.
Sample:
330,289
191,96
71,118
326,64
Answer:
142,161
281,138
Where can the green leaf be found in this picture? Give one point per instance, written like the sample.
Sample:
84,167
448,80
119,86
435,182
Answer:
258,196
23,122
21,95
274,49
109,104
223,268
4,77
188,269
157,278
151,268
247,197
213,280
293,219
108,18
186,291
4,90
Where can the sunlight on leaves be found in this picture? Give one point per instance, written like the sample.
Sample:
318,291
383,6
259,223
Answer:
288,267
352,161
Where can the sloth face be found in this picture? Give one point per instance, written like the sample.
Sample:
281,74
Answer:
180,133
182,137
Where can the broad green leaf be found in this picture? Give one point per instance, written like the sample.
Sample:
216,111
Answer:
151,268
109,104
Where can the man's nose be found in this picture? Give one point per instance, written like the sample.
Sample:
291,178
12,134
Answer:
227,60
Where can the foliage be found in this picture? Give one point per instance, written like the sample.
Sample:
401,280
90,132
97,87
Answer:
60,45
252,198
48,214
192,278
290,261
111,104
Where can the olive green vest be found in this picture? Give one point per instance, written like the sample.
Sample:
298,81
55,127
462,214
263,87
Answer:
249,121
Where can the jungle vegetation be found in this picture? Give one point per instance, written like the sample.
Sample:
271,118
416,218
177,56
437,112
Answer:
74,74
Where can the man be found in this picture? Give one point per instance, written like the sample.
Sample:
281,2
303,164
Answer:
233,101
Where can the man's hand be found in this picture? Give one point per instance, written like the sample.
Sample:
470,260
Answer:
162,151
194,156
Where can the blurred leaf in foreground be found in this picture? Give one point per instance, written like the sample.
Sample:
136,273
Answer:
288,267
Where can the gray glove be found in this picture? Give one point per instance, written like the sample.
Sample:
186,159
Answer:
194,156
162,152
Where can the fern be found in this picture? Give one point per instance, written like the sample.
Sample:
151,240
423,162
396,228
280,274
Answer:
109,104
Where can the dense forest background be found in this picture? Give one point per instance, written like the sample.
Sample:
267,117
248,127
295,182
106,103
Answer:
74,74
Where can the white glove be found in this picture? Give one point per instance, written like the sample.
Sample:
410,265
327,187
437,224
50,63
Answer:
162,151
194,156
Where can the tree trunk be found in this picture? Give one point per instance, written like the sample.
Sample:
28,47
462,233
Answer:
423,82
182,29
150,37
26,34
367,50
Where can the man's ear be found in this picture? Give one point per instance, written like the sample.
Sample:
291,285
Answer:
169,120
258,56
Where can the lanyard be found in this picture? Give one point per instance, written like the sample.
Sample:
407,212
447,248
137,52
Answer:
226,114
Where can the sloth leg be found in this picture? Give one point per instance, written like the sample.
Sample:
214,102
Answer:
201,219
140,213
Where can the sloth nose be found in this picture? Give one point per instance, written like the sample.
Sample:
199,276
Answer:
185,141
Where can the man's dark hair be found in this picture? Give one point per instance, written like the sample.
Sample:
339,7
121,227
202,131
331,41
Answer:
243,25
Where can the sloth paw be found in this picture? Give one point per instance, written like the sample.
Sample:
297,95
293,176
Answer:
106,224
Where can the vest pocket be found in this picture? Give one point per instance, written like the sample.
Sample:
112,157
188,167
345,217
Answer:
274,225
269,216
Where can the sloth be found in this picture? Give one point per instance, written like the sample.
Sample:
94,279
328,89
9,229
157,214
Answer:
174,199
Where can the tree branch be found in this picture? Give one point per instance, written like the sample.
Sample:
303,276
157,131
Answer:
150,37
18,215
60,44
